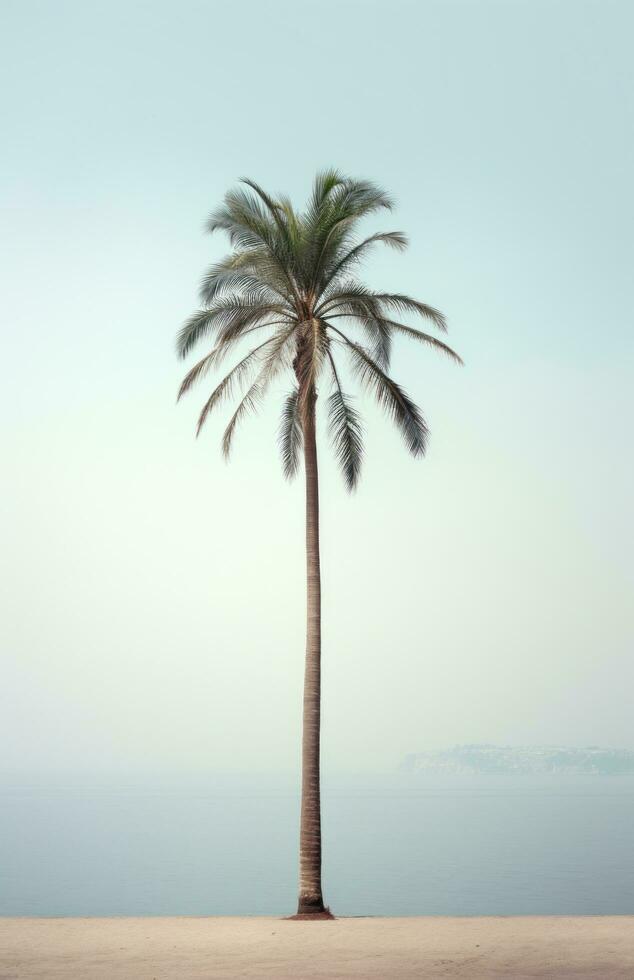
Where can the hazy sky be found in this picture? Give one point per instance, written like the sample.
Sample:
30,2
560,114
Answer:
154,596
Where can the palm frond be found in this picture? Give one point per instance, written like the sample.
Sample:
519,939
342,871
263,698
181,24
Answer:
339,294
248,403
251,226
199,371
354,255
218,354
281,213
229,315
197,326
235,375
258,277
273,363
359,303
337,205
377,329
290,435
324,184
244,220
346,431
424,338
390,326
405,304
362,197
390,396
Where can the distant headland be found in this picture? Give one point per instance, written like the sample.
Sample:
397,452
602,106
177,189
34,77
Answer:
491,759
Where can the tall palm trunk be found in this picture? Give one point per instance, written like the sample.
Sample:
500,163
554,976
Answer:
310,897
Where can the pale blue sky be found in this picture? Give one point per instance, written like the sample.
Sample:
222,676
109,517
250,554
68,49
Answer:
154,596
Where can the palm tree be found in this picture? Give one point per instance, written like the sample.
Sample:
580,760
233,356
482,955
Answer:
288,278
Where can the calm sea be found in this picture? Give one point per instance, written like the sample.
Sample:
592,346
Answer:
404,844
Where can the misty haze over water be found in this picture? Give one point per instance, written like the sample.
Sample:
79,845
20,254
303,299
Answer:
395,844
522,760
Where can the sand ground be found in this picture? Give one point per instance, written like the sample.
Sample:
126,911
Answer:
600,947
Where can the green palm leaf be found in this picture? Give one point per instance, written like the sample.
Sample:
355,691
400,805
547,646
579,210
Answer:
346,431
290,434
390,396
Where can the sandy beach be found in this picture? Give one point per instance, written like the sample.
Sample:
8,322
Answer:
218,948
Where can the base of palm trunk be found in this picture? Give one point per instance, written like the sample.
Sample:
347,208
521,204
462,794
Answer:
312,907
324,916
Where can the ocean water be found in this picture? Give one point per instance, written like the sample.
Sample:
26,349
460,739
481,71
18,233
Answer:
401,844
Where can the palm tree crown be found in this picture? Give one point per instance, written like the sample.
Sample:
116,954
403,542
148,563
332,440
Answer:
289,283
